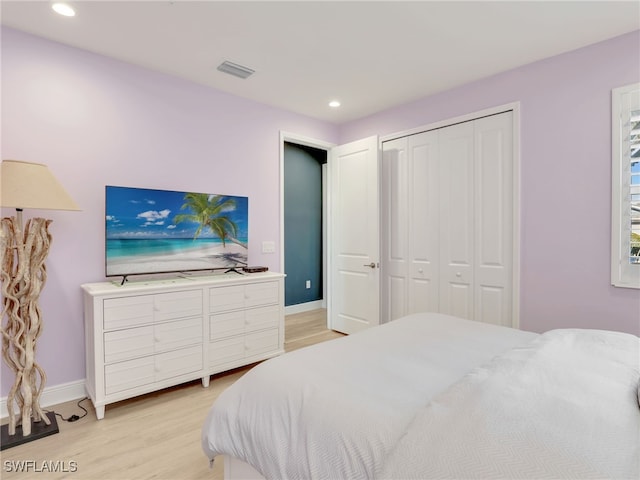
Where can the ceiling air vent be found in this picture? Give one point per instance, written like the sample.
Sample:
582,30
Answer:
235,69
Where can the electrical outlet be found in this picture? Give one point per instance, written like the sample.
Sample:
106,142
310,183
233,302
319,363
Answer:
307,284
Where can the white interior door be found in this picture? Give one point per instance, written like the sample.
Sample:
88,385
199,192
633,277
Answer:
354,234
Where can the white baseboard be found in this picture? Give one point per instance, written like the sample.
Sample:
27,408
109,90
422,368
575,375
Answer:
53,395
304,307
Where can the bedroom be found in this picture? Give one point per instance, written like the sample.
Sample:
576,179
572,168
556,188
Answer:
98,121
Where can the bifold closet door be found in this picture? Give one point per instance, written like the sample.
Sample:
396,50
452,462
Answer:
410,258
447,212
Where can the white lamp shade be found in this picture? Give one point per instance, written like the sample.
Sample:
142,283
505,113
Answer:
32,185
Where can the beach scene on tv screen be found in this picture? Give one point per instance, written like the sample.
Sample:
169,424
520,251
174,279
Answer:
158,231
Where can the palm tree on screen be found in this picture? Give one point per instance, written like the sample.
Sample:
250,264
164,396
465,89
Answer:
210,211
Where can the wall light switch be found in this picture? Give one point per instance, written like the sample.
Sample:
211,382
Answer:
268,247
307,284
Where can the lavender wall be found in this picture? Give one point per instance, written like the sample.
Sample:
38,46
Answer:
566,177
96,121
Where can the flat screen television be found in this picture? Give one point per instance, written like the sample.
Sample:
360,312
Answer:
163,231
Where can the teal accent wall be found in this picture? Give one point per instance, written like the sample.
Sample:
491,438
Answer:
302,223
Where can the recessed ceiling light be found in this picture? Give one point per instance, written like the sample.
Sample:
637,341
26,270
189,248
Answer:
334,103
63,9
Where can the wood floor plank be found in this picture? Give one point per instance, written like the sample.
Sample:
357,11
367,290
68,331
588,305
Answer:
154,436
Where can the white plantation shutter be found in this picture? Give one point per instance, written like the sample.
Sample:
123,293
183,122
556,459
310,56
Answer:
625,244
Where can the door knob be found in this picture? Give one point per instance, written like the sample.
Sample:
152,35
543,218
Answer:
370,265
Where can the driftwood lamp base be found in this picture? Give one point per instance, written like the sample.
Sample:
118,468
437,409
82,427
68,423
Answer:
38,430
23,274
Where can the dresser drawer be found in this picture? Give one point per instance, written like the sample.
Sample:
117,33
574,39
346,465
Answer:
126,375
261,318
178,362
127,344
235,297
222,299
264,293
178,334
226,351
223,325
140,341
261,342
232,350
128,312
181,304
154,368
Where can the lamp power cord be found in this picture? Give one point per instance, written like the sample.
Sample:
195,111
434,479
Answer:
74,417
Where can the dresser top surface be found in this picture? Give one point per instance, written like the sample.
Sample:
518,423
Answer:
182,281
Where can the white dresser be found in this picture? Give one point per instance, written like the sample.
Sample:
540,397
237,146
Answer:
148,335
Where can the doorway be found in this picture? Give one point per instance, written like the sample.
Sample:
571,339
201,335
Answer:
351,262
303,224
303,227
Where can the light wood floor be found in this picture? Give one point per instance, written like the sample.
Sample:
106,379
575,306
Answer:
155,436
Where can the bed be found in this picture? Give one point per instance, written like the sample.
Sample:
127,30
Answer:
434,396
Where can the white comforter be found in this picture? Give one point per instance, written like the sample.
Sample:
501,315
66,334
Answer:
432,396
337,409
564,406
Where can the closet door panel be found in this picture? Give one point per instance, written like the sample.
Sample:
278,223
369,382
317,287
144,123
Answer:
489,307
493,219
458,300
397,291
394,217
423,295
423,205
456,219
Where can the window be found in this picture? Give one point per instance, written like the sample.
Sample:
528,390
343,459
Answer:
625,245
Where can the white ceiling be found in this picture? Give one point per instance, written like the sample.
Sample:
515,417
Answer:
370,55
